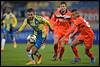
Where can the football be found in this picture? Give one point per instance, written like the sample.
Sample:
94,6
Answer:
31,38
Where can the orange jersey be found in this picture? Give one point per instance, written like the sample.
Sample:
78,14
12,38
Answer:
86,33
57,18
83,26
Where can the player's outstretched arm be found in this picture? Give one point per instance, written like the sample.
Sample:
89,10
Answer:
48,23
22,26
49,26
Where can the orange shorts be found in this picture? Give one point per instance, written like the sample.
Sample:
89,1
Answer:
60,32
88,41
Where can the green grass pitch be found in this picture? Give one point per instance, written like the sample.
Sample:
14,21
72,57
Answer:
18,56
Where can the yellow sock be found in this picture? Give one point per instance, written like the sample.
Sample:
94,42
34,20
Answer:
14,45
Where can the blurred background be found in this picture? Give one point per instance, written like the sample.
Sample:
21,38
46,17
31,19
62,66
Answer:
88,9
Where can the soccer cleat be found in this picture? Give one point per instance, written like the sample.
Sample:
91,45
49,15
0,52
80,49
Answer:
92,61
39,59
74,60
31,62
54,58
14,45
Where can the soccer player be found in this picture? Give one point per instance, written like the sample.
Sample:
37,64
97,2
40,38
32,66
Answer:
86,35
60,23
37,23
9,22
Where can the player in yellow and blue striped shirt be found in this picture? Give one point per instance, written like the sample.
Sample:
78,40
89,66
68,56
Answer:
9,22
37,23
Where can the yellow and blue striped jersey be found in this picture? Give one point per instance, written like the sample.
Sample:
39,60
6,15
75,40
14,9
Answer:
9,19
38,23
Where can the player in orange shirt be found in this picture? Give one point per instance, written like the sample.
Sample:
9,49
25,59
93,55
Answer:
60,23
86,35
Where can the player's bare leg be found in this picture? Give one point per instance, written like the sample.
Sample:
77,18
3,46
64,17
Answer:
43,45
61,48
58,50
55,51
75,51
90,55
30,55
55,47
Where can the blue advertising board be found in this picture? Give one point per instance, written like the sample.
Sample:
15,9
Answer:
22,37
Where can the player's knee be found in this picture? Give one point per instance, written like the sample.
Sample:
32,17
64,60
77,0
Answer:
55,43
4,36
27,49
73,46
34,52
62,45
74,43
56,39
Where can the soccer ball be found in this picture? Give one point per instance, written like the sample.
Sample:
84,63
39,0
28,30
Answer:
31,38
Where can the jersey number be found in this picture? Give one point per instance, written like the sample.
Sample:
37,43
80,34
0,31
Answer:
87,23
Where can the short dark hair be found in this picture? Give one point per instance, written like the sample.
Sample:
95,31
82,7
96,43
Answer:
63,3
74,10
30,10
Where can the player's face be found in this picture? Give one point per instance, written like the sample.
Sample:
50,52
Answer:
63,7
30,15
75,14
8,10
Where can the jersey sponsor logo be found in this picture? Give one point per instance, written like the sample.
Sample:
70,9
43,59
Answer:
36,22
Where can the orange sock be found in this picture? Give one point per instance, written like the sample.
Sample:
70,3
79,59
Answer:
55,49
61,52
75,52
89,54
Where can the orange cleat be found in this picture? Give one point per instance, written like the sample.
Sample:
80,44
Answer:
39,60
31,62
